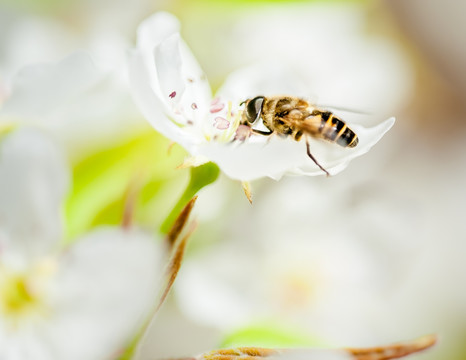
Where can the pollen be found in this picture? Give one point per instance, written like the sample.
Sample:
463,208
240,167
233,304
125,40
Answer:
216,106
221,123
23,294
16,296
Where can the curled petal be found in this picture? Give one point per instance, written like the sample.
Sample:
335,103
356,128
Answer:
151,105
169,72
151,32
167,82
179,74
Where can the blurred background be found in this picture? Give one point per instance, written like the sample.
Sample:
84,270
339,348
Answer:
371,256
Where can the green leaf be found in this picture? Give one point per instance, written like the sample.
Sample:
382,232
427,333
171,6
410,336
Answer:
249,2
201,176
270,334
101,182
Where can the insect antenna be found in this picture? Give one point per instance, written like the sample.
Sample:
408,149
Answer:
308,150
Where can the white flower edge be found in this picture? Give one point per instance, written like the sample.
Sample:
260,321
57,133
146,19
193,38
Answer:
253,160
95,293
38,90
86,107
172,94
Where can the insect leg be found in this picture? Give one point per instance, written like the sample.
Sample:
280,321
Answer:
313,158
260,132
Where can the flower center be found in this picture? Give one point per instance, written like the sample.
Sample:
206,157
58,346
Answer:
15,295
225,123
23,293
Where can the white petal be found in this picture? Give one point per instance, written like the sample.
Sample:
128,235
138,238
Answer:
335,158
24,343
97,119
276,157
107,283
181,80
33,181
151,32
167,82
171,70
38,90
253,160
151,106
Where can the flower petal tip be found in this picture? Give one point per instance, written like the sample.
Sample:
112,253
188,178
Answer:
156,28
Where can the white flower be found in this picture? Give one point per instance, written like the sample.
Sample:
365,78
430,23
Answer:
320,258
343,64
85,107
174,95
81,301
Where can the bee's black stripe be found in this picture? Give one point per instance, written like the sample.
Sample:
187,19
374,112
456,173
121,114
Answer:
338,124
324,116
347,138
334,129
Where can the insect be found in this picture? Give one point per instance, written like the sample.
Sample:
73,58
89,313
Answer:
296,117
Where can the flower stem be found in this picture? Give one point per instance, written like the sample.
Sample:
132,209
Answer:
201,176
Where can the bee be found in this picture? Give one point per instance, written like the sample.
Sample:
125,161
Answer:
297,118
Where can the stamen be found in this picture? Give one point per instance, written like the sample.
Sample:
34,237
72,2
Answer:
17,296
215,108
221,123
242,132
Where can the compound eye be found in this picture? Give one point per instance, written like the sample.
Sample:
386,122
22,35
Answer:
254,108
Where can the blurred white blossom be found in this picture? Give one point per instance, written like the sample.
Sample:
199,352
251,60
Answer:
330,49
83,106
81,301
174,95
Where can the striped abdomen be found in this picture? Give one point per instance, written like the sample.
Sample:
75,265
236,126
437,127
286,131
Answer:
334,129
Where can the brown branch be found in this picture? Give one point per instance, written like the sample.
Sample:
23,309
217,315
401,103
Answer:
180,223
